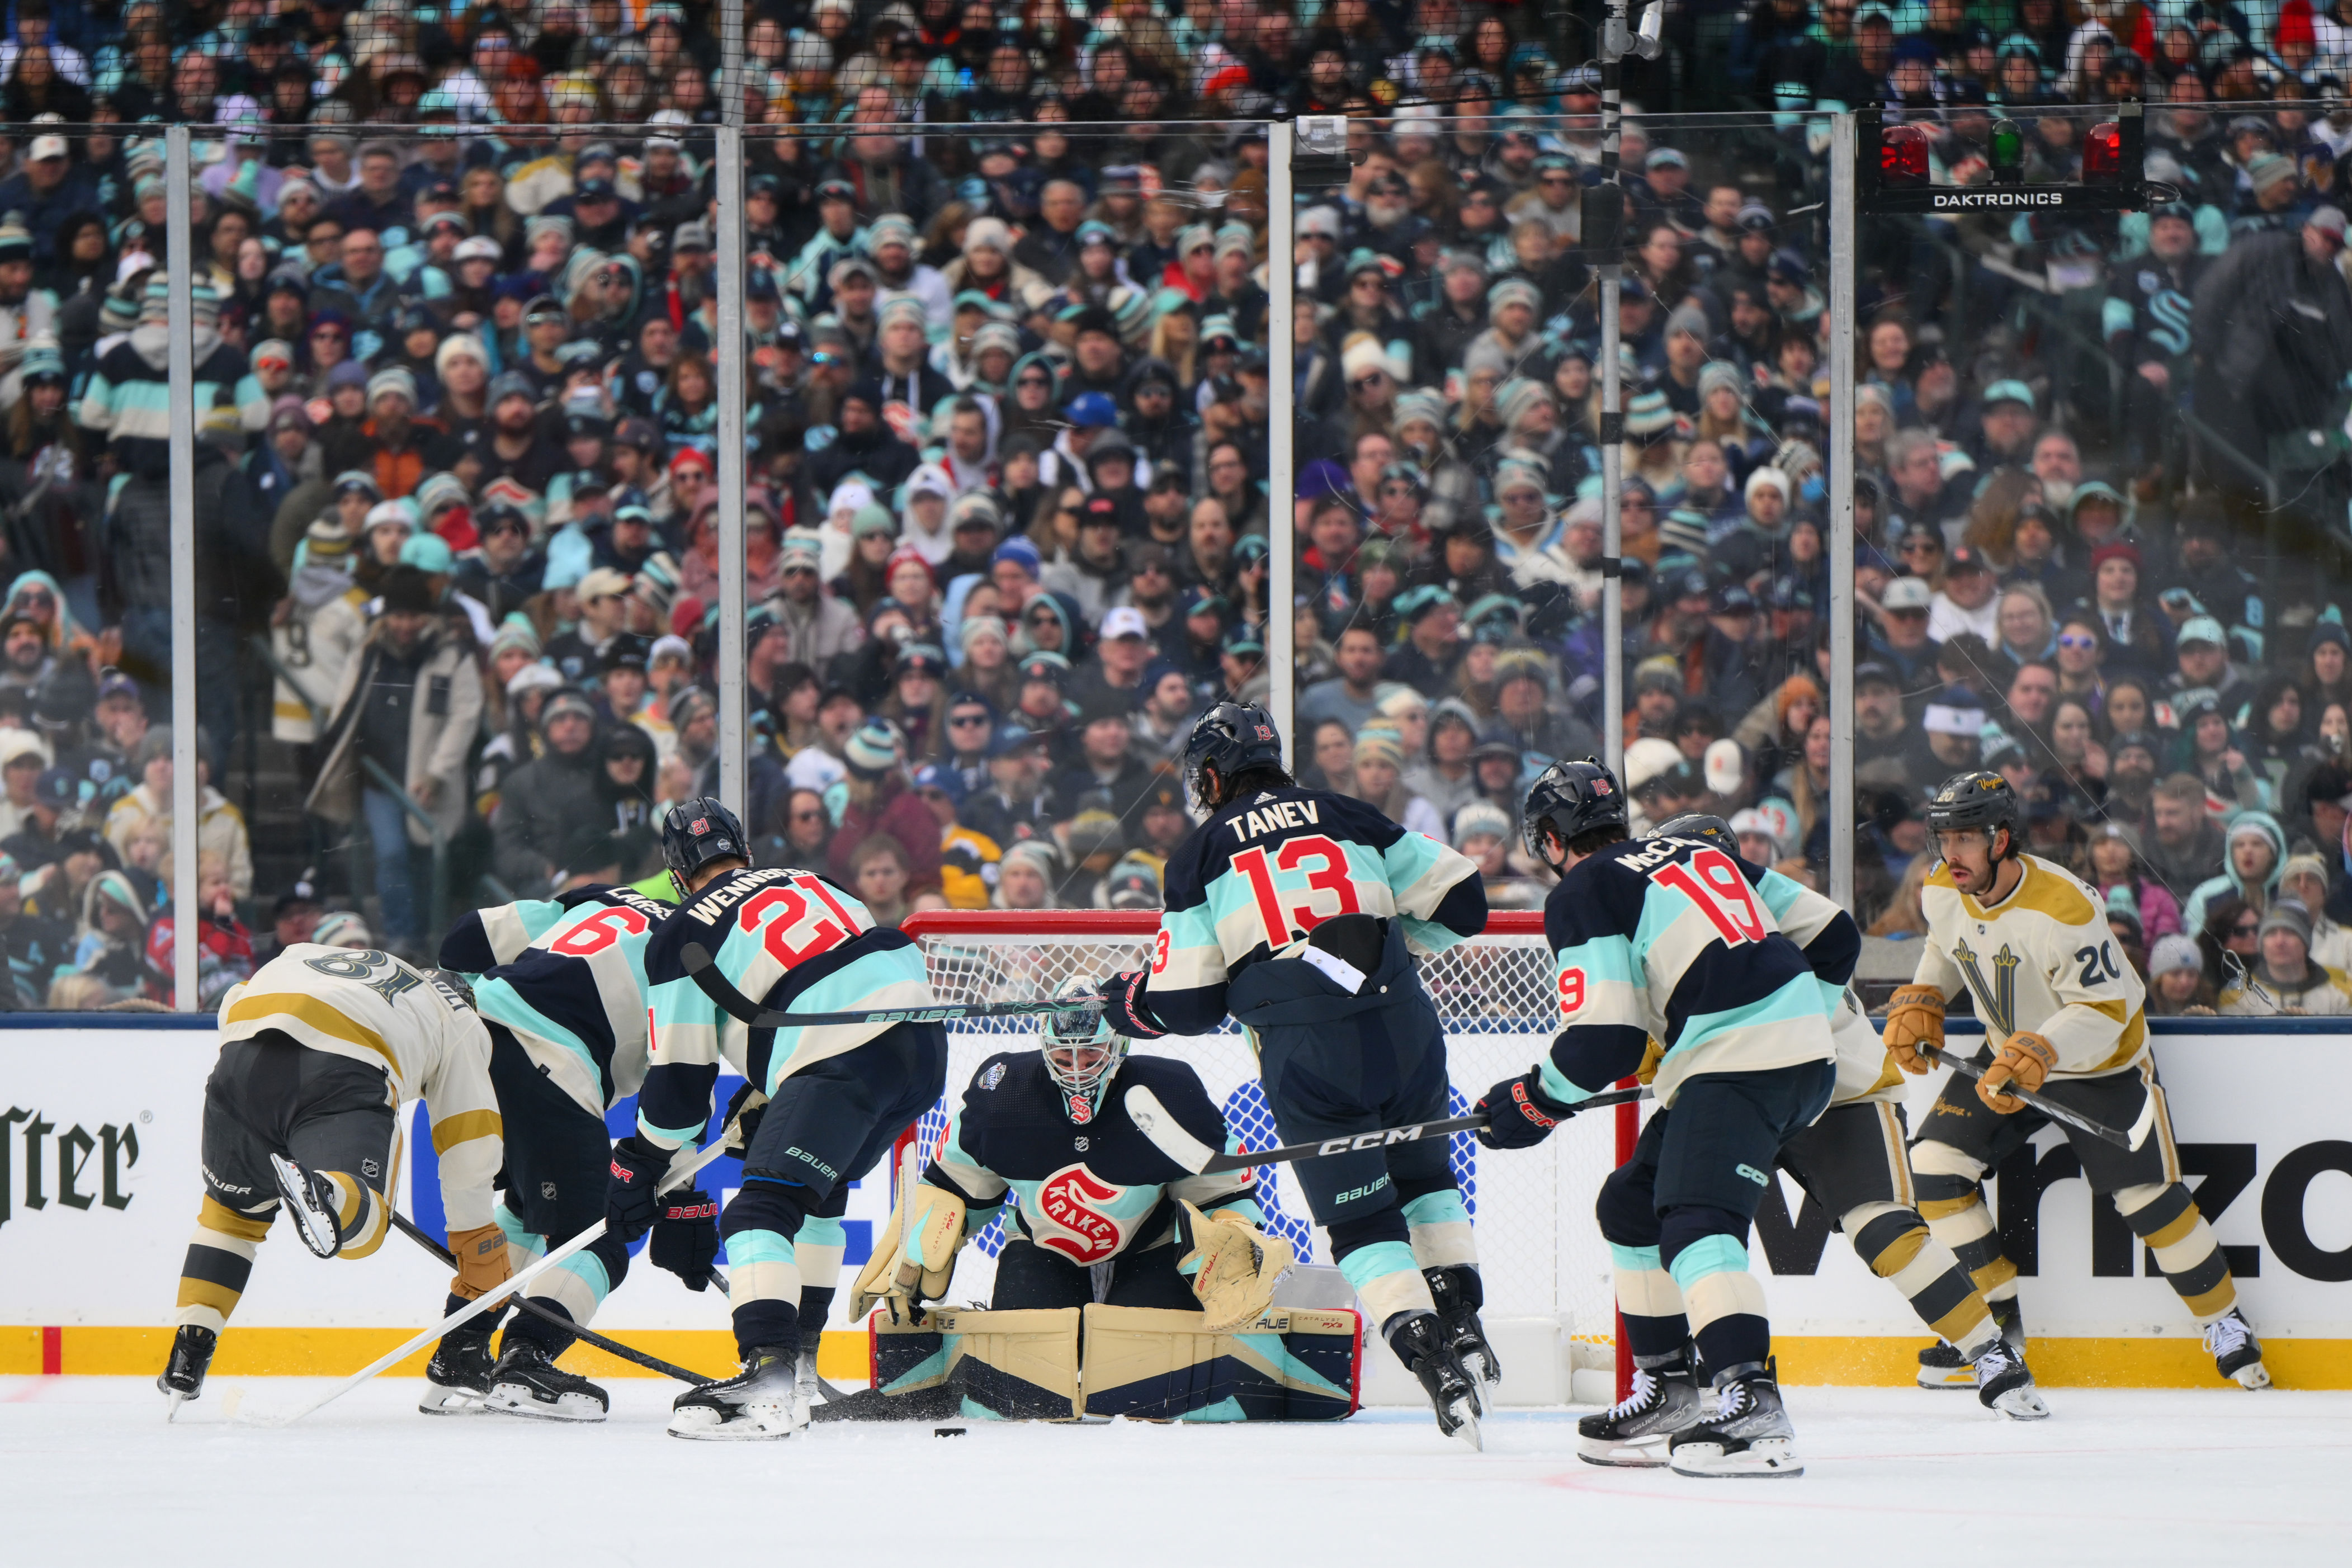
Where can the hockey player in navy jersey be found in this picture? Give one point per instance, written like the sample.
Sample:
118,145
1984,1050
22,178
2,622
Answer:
1667,939
1299,913
561,983
784,941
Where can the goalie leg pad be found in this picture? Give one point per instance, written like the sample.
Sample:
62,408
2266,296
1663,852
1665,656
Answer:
1289,1364
1010,1366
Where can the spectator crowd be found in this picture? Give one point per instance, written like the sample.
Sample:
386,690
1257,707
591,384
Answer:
456,380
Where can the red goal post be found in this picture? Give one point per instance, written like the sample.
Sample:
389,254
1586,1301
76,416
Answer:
1545,1267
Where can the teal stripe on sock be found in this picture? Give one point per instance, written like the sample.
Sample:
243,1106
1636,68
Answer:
590,1269
818,1231
1378,1261
1437,1208
531,1241
759,1247
1634,1259
1715,1254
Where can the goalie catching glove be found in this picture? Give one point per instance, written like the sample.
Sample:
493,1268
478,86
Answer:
1233,1264
1914,1022
914,1256
2025,1060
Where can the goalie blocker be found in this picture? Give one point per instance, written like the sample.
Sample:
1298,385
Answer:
1058,1365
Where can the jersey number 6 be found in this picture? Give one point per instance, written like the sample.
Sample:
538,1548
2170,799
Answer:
1712,883
1329,876
599,932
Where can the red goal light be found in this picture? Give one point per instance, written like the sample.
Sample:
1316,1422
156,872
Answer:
2102,154
1903,156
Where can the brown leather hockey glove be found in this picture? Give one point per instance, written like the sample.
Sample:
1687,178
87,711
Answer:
1914,1021
481,1260
2024,1060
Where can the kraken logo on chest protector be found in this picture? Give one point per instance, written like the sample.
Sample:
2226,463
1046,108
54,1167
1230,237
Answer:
1073,1201
1996,1003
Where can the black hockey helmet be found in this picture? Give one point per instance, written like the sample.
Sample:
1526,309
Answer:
1698,825
697,831
1571,799
1233,738
1978,798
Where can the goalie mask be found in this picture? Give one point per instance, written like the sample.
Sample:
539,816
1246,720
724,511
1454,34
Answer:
1082,1054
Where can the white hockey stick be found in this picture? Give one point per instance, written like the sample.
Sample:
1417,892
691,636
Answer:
680,1174
1168,1135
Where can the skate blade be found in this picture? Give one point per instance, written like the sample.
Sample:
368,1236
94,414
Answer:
311,1225
1466,1428
527,1406
2254,1376
1639,1454
756,1425
451,1402
1766,1458
1958,1377
172,1411
2021,1404
1484,1368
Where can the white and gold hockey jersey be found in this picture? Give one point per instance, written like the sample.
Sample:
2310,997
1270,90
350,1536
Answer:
370,1006
2042,961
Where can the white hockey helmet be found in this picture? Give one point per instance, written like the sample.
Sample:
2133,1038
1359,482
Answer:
1082,1052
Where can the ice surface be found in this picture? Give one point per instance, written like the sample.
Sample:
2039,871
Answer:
90,1474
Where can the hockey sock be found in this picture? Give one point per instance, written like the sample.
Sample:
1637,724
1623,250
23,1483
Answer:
1439,1224
763,1265
1657,1330
524,1247
360,1213
1373,1254
2164,1216
219,1262
818,1248
1725,1302
1897,1244
1951,1200
549,1337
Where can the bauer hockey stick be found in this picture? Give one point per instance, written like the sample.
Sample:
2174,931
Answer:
1168,1135
678,1176
735,1004
524,1303
2130,1140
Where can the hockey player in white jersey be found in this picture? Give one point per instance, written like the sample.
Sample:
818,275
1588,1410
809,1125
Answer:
1667,940
317,1052
2062,1015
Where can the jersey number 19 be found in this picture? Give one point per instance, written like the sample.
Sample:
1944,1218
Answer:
1714,884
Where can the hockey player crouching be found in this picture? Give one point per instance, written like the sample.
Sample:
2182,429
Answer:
1667,939
318,1051
1851,1161
1302,912
1049,1127
2062,1015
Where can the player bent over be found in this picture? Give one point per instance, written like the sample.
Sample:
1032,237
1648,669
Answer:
838,1095
561,985
1093,1193
1851,1161
2062,1015
1301,911
1667,939
318,1051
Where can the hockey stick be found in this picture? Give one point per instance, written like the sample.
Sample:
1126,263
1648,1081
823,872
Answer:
524,1303
2130,1140
735,1004
1168,1135
677,1177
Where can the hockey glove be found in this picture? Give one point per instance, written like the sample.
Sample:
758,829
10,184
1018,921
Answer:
482,1264
1234,1266
1520,1114
2025,1060
1125,1009
686,1236
743,1115
1914,1021
914,1256
630,1205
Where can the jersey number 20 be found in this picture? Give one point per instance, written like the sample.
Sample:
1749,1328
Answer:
1329,875
1712,883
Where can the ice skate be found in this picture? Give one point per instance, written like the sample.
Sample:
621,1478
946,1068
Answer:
1942,1366
526,1382
763,1401
1453,1393
1452,1290
2237,1353
310,1199
457,1378
183,1377
2005,1384
1749,1434
1633,1433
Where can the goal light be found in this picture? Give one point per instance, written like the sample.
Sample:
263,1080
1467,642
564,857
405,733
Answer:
1318,151
1893,173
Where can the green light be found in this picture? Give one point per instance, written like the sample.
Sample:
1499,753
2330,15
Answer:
2008,152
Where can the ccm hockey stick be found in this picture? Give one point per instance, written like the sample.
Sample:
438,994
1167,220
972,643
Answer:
735,1004
2131,1140
1168,1135
408,1229
679,1176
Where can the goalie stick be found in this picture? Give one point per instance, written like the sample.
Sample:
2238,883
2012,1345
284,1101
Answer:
735,1004
1167,1134
2132,1139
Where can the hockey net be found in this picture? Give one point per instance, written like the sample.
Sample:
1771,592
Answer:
1532,1210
